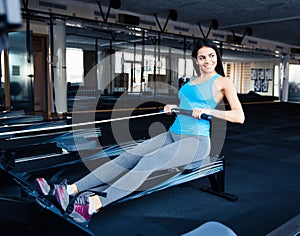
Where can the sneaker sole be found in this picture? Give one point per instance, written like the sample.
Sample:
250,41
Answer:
80,219
42,186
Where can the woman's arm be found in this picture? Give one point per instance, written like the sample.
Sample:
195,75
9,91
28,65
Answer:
235,113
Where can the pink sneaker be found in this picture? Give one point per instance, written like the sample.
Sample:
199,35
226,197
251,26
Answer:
42,186
61,194
58,190
80,212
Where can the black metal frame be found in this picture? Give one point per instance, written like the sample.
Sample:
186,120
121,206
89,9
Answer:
217,185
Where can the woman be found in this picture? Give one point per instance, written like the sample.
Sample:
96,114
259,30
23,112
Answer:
188,134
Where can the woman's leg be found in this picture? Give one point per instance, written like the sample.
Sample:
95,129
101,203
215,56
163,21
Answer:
109,171
181,152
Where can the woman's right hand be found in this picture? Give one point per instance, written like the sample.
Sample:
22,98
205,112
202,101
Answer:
168,108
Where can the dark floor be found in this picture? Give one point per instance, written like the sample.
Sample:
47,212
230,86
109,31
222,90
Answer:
262,169
263,162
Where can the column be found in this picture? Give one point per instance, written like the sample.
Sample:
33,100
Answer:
58,70
285,79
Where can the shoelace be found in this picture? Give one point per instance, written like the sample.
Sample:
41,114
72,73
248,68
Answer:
64,183
81,200
55,186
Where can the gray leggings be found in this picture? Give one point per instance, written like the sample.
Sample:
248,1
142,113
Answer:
127,172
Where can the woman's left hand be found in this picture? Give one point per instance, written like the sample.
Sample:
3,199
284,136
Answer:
197,112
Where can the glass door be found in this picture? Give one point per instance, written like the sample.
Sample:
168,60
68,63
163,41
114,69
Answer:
21,76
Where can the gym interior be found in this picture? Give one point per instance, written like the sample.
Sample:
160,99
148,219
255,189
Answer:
82,81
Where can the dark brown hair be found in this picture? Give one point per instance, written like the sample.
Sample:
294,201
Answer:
208,43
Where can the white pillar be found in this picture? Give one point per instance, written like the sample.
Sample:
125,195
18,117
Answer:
285,79
59,82
105,70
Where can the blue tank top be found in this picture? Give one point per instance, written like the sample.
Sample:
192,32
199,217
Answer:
194,96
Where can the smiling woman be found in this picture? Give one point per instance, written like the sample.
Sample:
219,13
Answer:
208,64
188,134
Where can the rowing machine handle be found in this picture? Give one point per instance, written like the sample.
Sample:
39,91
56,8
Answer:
189,113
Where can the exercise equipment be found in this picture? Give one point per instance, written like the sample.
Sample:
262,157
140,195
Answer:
27,207
17,191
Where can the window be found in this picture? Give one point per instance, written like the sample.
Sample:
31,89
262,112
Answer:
185,68
74,63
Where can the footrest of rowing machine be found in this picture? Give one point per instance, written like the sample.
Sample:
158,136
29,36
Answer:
228,196
37,211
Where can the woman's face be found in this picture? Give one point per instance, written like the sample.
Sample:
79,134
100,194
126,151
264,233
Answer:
207,59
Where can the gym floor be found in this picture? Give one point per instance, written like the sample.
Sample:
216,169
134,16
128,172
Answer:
262,169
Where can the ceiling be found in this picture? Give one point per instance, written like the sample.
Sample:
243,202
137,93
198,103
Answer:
274,20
